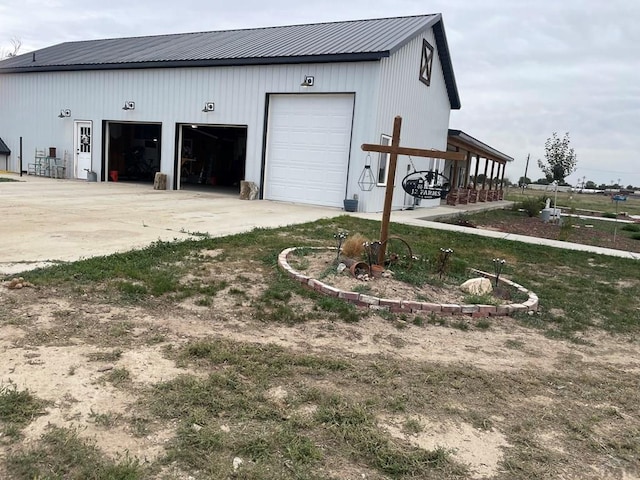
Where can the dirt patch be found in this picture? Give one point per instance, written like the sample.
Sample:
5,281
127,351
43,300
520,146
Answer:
480,450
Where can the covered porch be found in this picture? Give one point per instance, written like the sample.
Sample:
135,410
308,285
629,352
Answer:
480,176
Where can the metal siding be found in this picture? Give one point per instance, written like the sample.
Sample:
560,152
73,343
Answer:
425,112
30,103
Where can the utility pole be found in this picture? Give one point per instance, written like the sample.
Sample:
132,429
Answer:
524,179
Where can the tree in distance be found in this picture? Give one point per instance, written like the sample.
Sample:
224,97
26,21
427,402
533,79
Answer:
522,181
16,43
560,158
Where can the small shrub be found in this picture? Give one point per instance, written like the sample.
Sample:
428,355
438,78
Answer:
483,324
412,426
460,325
609,215
118,376
353,247
631,227
635,236
532,205
18,407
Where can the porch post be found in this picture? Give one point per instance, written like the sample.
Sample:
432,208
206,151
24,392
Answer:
493,165
454,179
467,170
475,178
486,169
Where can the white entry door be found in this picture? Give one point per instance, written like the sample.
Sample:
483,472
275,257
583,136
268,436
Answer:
82,144
308,144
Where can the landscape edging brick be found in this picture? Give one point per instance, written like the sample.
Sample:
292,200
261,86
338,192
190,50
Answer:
398,306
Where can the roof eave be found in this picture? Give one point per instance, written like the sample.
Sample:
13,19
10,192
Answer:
481,147
223,62
445,61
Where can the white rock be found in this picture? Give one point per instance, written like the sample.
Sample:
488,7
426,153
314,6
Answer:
341,267
477,286
237,461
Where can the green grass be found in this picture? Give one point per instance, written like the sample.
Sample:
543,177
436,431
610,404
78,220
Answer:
61,454
111,356
272,434
585,288
583,201
17,409
486,299
118,377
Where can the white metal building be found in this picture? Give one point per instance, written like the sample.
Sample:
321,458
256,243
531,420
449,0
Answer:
285,107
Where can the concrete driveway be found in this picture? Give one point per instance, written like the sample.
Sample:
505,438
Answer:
46,220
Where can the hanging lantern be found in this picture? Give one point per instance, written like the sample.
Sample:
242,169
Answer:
367,181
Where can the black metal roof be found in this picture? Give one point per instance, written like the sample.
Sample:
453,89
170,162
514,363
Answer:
4,150
348,41
482,147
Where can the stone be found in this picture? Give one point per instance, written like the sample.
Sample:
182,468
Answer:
196,428
248,190
160,181
477,286
237,461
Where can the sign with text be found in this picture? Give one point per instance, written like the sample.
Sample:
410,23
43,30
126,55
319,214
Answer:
426,184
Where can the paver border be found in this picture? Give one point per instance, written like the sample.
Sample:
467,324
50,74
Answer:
402,306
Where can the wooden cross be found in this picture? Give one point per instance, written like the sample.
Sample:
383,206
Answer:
394,150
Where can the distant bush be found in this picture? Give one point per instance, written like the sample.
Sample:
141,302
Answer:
631,227
609,215
532,205
636,236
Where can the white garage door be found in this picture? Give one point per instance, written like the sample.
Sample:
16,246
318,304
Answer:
308,142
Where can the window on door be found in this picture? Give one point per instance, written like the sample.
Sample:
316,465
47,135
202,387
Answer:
383,161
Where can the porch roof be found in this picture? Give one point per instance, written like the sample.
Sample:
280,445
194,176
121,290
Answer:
460,140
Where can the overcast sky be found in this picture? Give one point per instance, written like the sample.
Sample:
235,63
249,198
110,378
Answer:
524,69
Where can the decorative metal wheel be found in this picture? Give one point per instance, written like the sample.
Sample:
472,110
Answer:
398,253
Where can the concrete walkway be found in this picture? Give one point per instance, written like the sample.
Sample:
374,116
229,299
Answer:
45,221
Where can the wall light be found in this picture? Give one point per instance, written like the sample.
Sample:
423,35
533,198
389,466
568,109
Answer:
209,107
308,81
64,113
129,105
